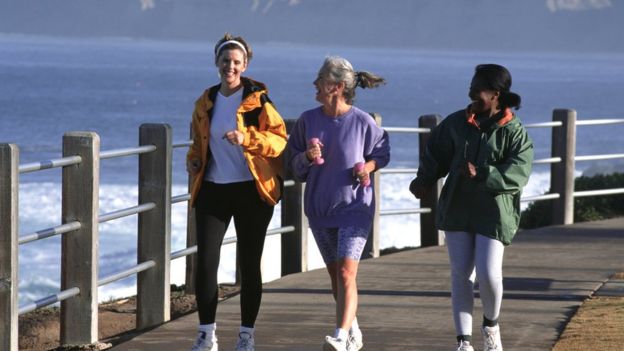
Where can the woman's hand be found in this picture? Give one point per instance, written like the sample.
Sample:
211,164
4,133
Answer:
418,190
362,175
193,166
234,137
314,150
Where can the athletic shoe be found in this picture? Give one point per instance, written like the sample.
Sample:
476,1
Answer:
334,344
245,342
464,346
202,344
354,342
491,339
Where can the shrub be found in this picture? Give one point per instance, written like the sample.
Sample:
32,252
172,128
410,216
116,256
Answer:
593,208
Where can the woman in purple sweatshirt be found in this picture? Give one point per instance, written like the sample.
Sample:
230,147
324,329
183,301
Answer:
334,148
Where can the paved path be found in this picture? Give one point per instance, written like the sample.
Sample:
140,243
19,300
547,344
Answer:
405,298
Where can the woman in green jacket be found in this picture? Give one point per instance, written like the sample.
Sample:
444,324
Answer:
486,154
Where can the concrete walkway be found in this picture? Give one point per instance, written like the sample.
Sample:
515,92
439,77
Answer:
405,297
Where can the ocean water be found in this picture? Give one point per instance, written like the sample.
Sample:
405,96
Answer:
111,86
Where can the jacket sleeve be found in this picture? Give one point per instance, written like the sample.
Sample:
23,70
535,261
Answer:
298,163
194,152
436,160
271,140
512,174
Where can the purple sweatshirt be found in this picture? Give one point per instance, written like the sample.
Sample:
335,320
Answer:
333,196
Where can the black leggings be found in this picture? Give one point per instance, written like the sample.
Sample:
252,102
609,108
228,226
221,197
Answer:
216,205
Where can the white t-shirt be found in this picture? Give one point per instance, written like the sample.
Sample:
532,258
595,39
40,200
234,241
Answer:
227,164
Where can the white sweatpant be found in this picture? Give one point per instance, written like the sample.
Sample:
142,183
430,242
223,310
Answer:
470,253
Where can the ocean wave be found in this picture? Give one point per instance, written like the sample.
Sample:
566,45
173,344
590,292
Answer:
40,261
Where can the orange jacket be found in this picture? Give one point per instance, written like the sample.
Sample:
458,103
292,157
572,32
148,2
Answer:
264,141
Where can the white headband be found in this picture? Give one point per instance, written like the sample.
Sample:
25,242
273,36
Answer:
237,43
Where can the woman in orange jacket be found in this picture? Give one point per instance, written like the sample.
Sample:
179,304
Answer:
235,164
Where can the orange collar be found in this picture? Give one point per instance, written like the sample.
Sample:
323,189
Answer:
471,118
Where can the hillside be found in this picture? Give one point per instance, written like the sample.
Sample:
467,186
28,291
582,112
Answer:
569,25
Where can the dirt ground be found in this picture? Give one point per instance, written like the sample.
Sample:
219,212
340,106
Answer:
40,329
597,325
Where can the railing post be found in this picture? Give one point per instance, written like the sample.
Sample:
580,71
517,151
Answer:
79,257
191,238
154,226
562,173
294,245
372,244
429,234
9,183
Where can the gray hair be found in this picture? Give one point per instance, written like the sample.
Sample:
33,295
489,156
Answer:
338,70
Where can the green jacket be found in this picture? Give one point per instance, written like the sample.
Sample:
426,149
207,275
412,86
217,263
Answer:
489,204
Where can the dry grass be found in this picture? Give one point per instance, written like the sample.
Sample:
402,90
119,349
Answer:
39,330
597,325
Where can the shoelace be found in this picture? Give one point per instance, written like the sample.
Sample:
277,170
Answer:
491,341
244,342
201,339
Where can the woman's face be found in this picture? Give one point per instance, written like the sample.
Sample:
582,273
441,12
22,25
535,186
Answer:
325,89
231,64
483,99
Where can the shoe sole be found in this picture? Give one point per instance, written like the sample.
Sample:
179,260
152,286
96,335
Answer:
329,347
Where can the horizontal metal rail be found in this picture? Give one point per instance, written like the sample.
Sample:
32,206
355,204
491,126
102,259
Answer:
182,144
127,151
48,232
55,163
126,212
547,160
540,197
180,198
406,130
128,272
595,122
598,157
46,301
544,124
398,170
184,252
193,249
280,230
404,211
586,193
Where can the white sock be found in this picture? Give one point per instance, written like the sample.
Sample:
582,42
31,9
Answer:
210,330
341,334
355,328
247,330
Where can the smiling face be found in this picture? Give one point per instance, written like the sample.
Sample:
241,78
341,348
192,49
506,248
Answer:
483,99
231,64
324,89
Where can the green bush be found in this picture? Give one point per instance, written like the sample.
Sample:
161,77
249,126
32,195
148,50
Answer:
593,208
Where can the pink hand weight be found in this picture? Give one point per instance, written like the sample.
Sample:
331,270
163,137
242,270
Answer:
358,168
317,160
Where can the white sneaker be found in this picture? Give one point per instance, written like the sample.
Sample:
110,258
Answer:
355,342
202,344
491,339
464,346
334,344
245,342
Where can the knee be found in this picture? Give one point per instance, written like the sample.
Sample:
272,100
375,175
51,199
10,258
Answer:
488,277
461,274
346,274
